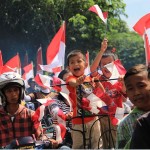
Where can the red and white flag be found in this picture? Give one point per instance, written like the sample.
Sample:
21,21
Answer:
56,50
43,80
56,113
96,9
142,27
116,69
147,41
13,64
28,73
1,61
47,68
25,63
87,70
39,61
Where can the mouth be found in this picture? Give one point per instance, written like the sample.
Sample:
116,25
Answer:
77,69
138,99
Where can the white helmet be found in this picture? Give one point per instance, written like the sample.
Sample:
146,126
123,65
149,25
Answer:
11,79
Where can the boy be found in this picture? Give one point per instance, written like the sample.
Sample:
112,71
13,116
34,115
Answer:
76,65
137,82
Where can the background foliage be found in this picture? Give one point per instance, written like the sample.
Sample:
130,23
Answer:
25,24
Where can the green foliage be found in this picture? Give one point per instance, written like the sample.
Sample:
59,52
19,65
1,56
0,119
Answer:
25,24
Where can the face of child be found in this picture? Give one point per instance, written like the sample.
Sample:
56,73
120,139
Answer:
105,61
138,90
77,65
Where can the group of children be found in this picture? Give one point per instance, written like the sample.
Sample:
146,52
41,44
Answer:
87,129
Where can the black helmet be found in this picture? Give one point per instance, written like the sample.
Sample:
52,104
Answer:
11,79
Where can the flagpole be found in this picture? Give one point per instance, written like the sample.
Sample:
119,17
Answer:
65,42
146,48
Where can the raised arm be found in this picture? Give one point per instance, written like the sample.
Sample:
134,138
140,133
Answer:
97,59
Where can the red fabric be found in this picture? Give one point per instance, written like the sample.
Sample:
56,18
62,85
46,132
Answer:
12,65
120,67
25,63
39,59
147,49
1,62
54,46
140,26
73,98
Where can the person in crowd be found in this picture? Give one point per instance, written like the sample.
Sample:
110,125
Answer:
137,82
32,85
105,56
81,121
30,89
16,120
65,107
140,136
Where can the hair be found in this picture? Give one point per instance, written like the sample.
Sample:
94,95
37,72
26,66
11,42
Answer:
110,52
74,53
62,73
136,69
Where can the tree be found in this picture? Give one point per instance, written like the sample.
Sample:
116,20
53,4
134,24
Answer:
25,24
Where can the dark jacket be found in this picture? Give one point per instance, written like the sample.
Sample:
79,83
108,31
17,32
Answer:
141,135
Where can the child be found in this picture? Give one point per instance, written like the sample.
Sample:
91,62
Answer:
76,65
115,92
137,82
65,107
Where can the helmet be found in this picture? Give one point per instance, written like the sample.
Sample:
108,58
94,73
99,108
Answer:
11,79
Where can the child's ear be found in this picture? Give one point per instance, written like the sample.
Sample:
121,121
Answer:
68,68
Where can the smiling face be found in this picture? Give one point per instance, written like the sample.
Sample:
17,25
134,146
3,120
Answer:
77,65
138,90
105,61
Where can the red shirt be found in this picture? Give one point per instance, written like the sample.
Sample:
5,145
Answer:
75,102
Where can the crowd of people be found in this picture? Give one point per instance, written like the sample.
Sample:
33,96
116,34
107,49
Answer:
84,129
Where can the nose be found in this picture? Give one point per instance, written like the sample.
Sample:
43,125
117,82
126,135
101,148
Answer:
137,91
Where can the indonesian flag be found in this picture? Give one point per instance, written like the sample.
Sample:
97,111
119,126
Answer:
60,132
87,70
25,59
39,61
1,61
139,27
47,68
147,41
28,73
60,86
56,113
96,9
117,69
13,64
142,27
56,50
43,80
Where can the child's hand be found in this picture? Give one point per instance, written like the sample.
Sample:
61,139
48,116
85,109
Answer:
69,115
80,80
98,83
104,45
120,79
